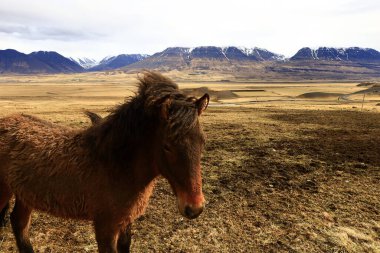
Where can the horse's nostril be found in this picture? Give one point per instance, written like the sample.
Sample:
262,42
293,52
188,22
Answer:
192,213
188,211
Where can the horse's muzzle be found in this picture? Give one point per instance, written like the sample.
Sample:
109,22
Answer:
192,213
190,206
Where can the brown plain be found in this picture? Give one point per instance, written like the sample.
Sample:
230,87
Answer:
281,173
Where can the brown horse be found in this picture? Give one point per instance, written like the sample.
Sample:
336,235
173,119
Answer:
105,173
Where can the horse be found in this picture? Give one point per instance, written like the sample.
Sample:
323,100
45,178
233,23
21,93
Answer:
105,173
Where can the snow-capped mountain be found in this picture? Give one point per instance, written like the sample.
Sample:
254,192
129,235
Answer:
85,62
205,57
114,62
174,51
337,54
223,53
257,53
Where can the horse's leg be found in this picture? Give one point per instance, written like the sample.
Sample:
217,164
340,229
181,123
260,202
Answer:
5,196
124,241
106,236
20,219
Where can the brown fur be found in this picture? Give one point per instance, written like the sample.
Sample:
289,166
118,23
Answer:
105,173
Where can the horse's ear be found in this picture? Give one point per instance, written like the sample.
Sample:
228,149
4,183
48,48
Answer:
202,103
165,106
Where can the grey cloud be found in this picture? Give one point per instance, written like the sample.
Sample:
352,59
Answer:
31,25
13,29
47,32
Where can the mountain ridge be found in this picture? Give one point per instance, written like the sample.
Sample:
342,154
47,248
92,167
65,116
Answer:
337,54
228,53
57,62
240,62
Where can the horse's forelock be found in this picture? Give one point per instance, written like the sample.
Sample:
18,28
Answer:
156,90
154,84
183,118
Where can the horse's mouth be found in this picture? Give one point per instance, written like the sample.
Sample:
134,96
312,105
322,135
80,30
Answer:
191,212
190,206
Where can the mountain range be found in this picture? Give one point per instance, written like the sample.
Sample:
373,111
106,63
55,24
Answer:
257,63
37,62
41,62
201,57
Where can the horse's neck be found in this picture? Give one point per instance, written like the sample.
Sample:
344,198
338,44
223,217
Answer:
123,154
144,167
137,182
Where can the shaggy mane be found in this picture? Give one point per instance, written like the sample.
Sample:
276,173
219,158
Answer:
139,117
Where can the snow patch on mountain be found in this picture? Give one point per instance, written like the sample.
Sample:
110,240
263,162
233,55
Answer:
337,54
85,62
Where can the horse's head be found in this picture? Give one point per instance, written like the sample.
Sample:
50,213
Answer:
159,128
181,145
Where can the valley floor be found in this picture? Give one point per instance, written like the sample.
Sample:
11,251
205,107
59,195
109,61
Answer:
278,176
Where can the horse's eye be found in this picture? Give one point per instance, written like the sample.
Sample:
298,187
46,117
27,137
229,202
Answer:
167,148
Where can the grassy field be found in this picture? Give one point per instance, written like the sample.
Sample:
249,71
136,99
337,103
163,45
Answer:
101,89
282,172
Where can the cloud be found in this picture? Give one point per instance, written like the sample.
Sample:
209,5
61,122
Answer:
47,32
97,28
13,29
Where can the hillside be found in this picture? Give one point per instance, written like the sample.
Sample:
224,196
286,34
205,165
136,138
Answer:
12,61
57,62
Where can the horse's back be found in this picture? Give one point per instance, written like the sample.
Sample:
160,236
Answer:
26,139
40,163
19,121
29,130
23,137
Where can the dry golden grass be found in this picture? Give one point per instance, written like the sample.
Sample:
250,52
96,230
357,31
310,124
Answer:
286,175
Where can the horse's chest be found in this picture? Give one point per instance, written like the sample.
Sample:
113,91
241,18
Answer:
138,203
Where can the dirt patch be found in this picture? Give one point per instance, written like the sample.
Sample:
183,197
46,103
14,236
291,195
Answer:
367,84
319,95
214,95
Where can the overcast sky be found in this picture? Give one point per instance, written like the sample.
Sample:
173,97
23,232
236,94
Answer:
95,29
